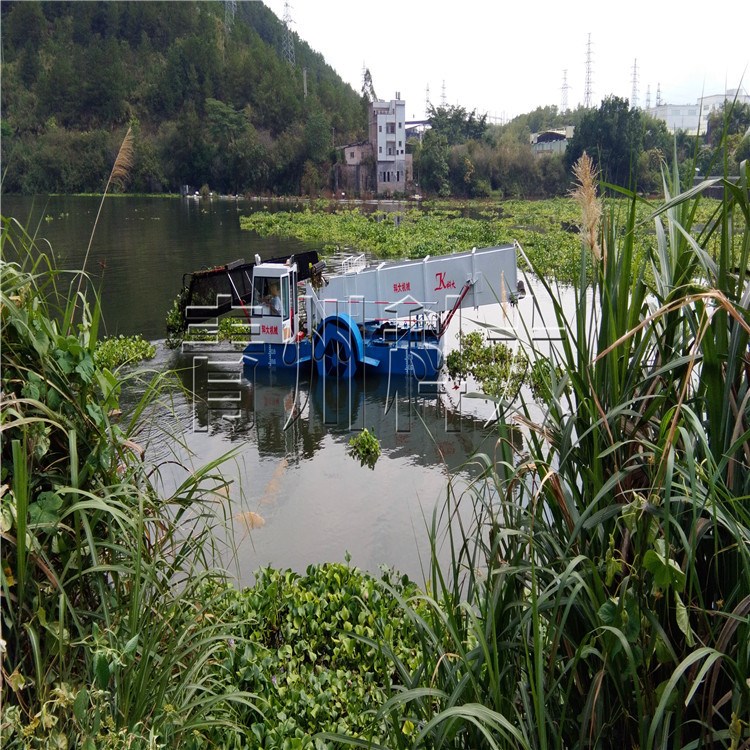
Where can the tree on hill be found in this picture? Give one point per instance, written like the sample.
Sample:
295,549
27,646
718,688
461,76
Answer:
212,104
615,136
456,124
431,163
727,138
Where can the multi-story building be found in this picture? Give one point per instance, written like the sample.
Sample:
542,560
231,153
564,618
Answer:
693,118
379,164
387,129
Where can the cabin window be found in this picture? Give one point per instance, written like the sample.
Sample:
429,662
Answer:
271,295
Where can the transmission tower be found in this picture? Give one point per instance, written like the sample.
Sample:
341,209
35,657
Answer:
427,99
634,95
587,88
658,95
288,42
648,97
443,98
230,9
564,93
368,89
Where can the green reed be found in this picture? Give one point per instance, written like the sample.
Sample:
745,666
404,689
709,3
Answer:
103,635
598,588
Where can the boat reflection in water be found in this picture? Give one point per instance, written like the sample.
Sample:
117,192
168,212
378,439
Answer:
300,497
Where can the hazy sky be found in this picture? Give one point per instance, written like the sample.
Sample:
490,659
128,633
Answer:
506,57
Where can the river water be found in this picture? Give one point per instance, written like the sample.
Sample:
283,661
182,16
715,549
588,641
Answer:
294,495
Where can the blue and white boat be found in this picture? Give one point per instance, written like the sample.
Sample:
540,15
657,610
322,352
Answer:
388,317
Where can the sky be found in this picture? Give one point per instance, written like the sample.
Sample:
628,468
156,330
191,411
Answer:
504,58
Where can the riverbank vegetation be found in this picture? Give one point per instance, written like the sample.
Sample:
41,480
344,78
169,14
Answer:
598,585
547,230
599,590
213,104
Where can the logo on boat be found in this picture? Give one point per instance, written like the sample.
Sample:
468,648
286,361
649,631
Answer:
269,329
404,286
442,283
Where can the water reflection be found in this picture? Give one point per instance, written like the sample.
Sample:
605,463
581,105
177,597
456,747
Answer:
292,414
296,495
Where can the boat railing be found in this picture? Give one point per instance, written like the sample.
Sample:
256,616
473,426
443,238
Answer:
342,263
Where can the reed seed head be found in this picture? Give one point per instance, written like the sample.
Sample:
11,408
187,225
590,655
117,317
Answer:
585,195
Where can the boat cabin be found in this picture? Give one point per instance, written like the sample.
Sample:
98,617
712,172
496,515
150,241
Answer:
273,303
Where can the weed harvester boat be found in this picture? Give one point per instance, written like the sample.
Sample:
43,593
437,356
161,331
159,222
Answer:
389,317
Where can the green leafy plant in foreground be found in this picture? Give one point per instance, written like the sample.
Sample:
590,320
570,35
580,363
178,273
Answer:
103,639
317,650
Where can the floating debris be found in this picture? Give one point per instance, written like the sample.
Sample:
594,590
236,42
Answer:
252,520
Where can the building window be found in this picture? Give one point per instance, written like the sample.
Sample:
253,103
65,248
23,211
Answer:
399,126
380,128
399,144
351,154
380,149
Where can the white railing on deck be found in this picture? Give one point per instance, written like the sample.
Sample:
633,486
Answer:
342,264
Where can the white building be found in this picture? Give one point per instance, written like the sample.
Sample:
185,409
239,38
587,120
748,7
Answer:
388,139
693,118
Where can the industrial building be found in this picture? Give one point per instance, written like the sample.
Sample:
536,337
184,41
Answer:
380,164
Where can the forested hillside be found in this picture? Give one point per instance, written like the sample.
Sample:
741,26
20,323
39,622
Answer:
209,102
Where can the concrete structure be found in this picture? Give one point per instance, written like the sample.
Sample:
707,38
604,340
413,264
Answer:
553,141
387,130
356,176
684,117
693,118
379,165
